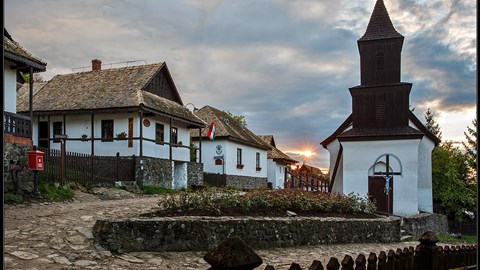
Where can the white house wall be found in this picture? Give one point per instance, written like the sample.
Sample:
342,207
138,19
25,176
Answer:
358,157
276,174
229,151
209,152
77,125
9,87
248,159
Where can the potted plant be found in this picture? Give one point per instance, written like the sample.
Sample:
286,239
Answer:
240,166
122,135
84,137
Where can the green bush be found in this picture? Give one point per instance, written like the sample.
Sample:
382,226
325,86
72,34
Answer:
214,201
9,198
55,192
151,190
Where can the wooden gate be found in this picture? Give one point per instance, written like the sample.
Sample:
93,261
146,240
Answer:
376,193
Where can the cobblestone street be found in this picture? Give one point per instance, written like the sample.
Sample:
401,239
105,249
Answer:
59,236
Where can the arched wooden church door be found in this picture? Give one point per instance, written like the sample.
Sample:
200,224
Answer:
380,181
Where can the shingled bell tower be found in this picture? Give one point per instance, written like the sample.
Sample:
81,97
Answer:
381,100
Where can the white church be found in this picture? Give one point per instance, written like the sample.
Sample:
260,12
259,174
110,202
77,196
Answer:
382,150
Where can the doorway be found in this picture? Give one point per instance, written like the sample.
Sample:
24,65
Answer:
377,194
43,138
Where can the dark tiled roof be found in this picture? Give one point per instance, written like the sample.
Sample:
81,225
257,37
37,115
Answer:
106,90
310,170
226,127
275,153
380,25
24,92
13,51
371,133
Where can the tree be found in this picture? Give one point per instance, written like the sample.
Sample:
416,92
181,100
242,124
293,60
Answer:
451,173
431,124
471,150
449,181
240,119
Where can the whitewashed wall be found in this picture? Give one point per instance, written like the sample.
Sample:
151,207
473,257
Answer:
77,125
276,174
9,87
209,152
358,157
425,197
229,151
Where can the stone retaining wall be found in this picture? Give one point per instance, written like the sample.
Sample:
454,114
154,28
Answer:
416,225
246,182
203,233
16,154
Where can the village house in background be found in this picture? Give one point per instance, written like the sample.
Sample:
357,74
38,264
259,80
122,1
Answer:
133,111
382,149
17,128
277,163
236,157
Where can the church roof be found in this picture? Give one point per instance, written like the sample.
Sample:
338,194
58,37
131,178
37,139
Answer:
380,25
345,133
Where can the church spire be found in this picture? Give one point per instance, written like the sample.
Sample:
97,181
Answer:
380,25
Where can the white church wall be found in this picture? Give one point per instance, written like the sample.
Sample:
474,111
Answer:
334,148
425,197
358,157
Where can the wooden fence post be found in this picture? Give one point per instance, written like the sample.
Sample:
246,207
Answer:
361,262
372,261
427,250
117,161
347,263
233,253
333,264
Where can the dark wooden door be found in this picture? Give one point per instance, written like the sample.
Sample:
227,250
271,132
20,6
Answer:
43,138
376,193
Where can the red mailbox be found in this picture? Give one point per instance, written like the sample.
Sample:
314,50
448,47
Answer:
35,160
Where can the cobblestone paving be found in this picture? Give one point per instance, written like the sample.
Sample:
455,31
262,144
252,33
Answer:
59,236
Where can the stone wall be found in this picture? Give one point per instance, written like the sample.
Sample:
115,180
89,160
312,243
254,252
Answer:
418,224
246,182
194,174
203,233
16,154
159,172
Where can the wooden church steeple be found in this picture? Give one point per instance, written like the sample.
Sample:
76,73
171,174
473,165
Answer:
381,100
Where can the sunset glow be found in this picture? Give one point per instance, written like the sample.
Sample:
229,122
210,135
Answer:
305,153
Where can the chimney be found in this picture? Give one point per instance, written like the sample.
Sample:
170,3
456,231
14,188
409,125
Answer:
96,65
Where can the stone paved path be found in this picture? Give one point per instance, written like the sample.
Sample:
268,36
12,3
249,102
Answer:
59,236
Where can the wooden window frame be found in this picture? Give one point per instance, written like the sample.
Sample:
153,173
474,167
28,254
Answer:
173,135
104,125
159,133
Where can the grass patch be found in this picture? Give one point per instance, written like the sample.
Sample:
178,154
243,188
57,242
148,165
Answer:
10,198
152,190
465,239
264,202
55,192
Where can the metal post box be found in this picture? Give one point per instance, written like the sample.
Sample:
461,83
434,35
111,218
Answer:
35,160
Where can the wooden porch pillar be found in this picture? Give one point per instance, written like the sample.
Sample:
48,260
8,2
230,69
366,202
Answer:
30,105
170,144
92,136
141,135
200,145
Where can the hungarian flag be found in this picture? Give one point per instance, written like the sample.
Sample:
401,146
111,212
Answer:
211,131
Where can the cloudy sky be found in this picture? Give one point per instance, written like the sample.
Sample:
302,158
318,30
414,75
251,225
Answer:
285,65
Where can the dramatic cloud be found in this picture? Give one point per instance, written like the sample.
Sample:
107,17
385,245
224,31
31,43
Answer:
285,65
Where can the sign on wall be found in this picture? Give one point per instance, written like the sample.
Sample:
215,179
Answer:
130,132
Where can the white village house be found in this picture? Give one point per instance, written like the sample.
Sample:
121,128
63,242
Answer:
134,110
236,155
17,128
382,150
277,163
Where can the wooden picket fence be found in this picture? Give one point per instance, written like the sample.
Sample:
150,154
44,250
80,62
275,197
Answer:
86,169
426,256
306,182
444,258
